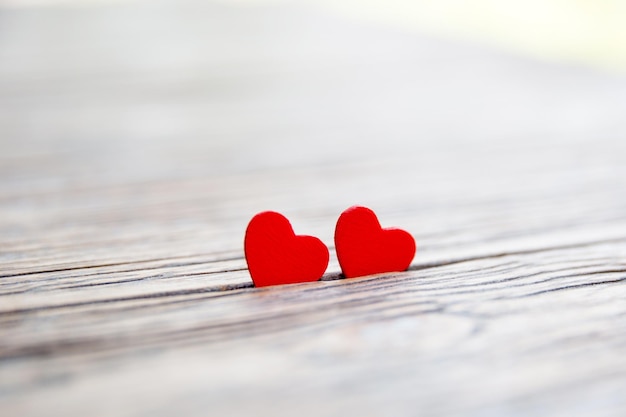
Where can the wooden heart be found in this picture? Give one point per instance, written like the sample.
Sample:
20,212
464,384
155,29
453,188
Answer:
276,255
365,248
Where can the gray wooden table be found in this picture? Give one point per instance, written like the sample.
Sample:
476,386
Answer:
137,140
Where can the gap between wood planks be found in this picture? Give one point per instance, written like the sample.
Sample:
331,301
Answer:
229,288
326,277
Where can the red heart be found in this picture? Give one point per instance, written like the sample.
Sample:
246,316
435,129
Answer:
365,248
276,256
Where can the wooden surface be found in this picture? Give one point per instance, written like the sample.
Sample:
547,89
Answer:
137,140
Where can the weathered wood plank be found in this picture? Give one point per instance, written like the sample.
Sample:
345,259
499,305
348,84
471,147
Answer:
132,158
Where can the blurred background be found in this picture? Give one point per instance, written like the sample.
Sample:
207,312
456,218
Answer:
177,84
382,103
585,31
131,90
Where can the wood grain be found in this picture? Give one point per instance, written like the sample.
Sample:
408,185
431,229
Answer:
137,140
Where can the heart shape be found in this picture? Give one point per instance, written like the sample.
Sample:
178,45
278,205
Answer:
365,248
276,255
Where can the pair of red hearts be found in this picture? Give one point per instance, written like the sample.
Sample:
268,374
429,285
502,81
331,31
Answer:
276,255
